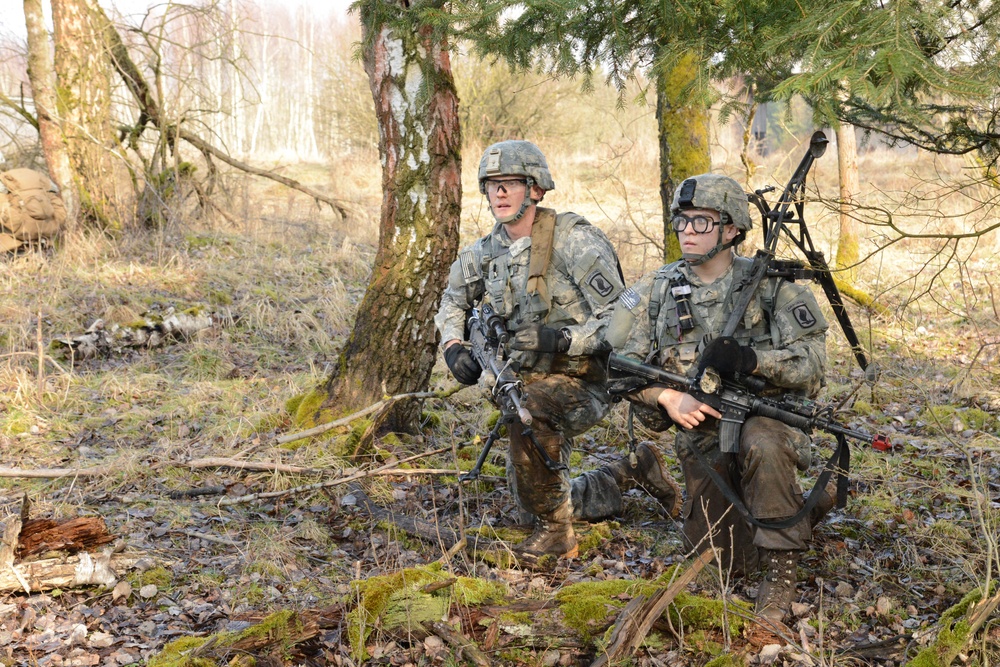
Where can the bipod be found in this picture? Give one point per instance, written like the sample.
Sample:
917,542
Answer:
473,474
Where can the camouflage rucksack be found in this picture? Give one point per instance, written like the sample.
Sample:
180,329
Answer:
30,208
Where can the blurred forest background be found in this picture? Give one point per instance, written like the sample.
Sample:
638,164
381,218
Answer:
282,272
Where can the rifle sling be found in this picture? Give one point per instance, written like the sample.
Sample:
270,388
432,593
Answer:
841,456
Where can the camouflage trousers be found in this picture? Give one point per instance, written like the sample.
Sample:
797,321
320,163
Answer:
561,407
762,474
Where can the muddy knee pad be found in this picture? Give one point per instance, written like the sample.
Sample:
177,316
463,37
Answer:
595,496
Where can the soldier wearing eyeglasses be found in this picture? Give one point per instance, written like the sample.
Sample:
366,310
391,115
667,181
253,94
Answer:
554,279
682,309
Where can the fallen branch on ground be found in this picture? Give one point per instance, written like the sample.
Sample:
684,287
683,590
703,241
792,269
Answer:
52,473
637,618
388,469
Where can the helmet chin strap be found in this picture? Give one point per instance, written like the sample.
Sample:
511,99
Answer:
697,260
528,201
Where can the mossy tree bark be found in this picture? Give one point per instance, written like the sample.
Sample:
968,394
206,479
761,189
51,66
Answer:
393,346
683,133
84,74
42,74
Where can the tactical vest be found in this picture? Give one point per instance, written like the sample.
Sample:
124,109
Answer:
523,307
676,340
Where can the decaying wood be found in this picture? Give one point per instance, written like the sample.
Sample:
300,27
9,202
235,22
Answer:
199,491
344,421
23,537
84,533
82,569
465,648
637,618
101,340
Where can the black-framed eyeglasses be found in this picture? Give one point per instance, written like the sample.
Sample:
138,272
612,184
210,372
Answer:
508,185
699,223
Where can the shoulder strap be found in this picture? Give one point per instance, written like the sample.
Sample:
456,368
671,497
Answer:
656,294
542,234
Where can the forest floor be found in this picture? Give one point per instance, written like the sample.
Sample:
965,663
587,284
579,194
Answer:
918,534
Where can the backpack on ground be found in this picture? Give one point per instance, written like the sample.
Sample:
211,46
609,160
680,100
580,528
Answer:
31,210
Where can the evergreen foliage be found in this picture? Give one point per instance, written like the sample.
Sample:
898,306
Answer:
923,72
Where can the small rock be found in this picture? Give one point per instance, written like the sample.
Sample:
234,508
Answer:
799,609
844,590
148,591
101,640
550,658
77,635
769,653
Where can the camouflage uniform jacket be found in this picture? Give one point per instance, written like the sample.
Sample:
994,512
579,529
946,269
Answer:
783,324
583,280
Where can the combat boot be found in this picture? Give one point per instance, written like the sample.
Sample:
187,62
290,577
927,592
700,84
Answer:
777,590
553,535
650,472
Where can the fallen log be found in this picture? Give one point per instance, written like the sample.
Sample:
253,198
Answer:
102,340
23,537
83,569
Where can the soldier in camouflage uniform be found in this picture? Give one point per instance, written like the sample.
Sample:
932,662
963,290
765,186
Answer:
554,279
682,309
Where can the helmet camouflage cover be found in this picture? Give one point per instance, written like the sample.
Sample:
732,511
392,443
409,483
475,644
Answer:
515,158
717,192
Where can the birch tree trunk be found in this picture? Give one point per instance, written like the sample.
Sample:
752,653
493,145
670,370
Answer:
394,345
847,167
42,74
682,128
83,71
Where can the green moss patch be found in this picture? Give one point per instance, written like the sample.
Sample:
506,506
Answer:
398,601
587,606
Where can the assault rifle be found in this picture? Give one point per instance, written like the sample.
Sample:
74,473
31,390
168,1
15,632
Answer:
488,339
786,212
737,401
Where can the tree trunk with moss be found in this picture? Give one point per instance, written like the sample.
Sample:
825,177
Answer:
41,73
83,74
847,166
683,133
394,344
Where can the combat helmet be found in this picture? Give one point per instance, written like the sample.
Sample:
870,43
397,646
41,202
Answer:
722,194
516,158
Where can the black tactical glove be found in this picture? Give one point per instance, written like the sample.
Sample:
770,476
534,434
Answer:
728,357
461,364
540,338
